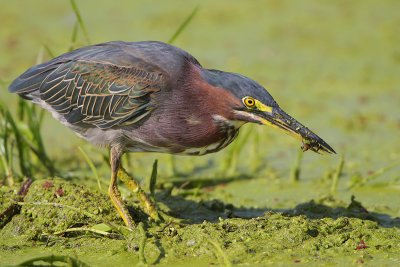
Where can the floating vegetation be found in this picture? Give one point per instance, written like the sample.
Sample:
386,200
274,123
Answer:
236,207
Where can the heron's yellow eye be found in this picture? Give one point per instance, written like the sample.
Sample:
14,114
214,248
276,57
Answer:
249,102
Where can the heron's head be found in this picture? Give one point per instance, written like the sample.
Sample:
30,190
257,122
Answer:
256,105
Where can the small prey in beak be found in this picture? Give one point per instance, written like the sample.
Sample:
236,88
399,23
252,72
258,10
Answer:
277,118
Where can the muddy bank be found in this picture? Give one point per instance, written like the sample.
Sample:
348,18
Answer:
61,218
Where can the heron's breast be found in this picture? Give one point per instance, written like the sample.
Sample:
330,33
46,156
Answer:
191,135
229,134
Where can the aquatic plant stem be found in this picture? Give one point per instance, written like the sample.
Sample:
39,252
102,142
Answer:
336,176
92,167
296,168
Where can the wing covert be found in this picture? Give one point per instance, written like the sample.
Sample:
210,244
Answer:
100,93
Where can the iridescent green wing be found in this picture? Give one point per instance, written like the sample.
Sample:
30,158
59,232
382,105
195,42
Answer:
100,93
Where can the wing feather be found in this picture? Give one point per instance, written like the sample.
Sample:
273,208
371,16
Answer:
98,93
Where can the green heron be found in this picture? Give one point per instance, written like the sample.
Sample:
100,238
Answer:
153,97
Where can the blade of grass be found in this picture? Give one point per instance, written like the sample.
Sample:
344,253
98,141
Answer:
296,168
30,122
153,179
48,50
42,157
4,152
337,174
74,35
6,147
91,165
255,155
80,20
183,25
4,164
21,147
40,55
21,110
360,181
126,160
6,160
380,172
172,165
230,164
10,177
35,125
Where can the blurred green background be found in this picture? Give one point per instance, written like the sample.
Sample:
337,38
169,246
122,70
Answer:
333,65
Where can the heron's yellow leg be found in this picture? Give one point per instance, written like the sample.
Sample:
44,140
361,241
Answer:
147,205
115,195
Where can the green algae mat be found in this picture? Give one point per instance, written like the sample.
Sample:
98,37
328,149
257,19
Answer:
261,202
61,218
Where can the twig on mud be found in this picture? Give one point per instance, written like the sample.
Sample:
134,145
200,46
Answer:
15,208
85,229
221,253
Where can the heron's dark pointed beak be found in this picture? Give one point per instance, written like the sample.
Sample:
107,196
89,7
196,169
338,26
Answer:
279,119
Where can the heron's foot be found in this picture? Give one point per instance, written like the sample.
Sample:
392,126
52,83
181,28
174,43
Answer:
120,206
147,205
